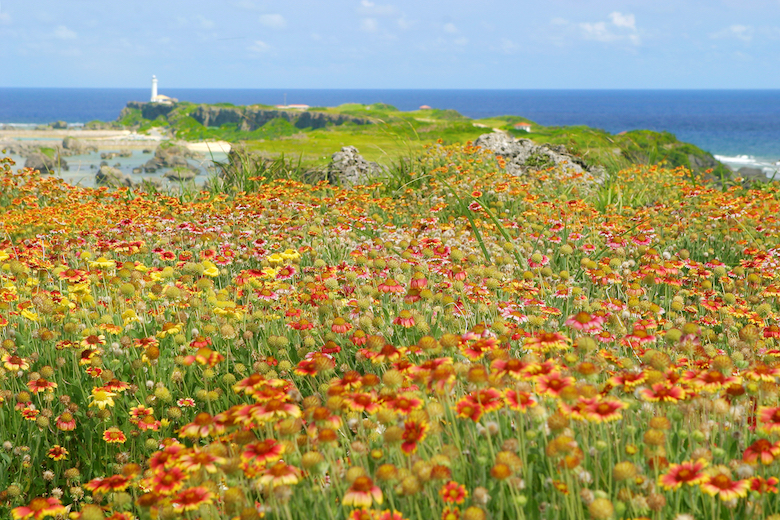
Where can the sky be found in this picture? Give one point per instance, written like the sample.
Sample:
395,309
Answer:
486,44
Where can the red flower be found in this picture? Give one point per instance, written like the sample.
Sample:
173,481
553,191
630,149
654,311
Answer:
414,432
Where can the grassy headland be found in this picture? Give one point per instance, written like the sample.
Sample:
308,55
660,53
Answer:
383,133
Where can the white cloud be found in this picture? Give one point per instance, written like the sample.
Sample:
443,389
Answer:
620,28
259,47
5,18
450,28
405,23
274,21
461,41
63,33
741,32
507,46
621,20
368,25
374,9
205,22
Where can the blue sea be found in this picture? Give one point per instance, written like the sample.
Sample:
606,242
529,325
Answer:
740,127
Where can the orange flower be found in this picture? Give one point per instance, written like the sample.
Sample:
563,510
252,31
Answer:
15,363
547,341
686,473
108,484
414,432
551,384
721,485
202,426
167,481
453,493
66,422
192,498
39,507
262,452
198,459
602,411
662,392
584,321
518,401
57,452
340,325
114,435
362,493
770,417
41,385
404,319
280,474
762,449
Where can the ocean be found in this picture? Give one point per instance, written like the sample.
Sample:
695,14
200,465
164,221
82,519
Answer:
739,127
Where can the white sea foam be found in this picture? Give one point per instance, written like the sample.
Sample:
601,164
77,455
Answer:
770,166
743,159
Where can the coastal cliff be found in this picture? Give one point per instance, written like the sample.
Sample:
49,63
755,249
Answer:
244,119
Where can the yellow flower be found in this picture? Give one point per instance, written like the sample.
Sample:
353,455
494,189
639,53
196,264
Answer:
102,262
129,316
101,398
4,256
211,269
269,272
290,254
29,315
275,259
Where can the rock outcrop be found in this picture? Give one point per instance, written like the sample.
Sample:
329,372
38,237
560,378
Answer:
73,146
45,164
110,176
169,157
523,155
348,168
180,175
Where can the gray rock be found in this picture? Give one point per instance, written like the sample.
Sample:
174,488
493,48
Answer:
45,164
73,146
523,155
348,168
180,175
751,175
110,176
169,157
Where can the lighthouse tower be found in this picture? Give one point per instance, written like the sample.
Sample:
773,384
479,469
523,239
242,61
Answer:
154,89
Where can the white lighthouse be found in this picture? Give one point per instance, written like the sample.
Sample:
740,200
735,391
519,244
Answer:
154,89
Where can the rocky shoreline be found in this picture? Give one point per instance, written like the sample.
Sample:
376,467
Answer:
49,150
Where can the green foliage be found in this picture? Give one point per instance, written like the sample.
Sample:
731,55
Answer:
245,172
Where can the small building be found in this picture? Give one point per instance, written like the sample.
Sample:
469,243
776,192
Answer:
424,107
523,126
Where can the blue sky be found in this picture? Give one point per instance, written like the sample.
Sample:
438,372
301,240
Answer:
391,43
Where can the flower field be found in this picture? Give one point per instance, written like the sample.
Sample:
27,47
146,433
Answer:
467,345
